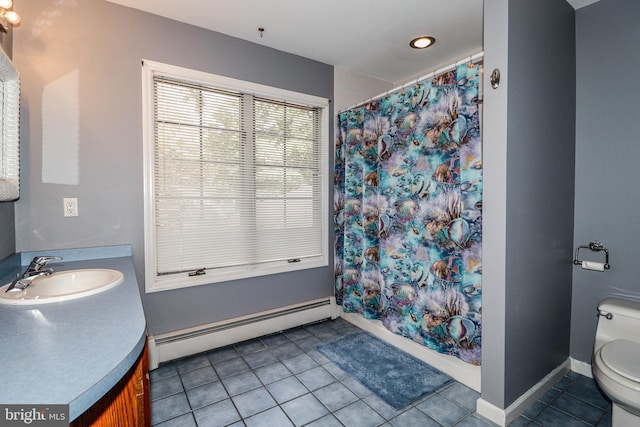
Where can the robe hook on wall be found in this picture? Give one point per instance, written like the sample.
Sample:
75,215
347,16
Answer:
495,78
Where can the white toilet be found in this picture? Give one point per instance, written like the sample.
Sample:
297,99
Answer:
616,358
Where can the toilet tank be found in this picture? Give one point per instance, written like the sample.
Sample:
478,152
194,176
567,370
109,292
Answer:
623,324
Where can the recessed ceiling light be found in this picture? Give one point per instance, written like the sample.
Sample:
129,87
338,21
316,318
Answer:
422,42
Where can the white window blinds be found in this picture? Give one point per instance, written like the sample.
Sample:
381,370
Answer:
238,182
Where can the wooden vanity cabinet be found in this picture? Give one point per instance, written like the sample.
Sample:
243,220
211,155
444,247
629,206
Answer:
127,404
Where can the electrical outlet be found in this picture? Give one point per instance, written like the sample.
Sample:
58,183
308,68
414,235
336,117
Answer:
70,206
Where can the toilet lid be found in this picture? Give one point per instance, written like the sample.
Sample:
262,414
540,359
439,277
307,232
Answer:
621,356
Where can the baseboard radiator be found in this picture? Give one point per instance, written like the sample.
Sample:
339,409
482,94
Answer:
190,341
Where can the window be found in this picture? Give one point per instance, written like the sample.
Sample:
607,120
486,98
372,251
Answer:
9,130
235,178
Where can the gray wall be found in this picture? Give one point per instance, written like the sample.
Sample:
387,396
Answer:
494,212
540,187
532,288
607,153
7,230
105,43
7,213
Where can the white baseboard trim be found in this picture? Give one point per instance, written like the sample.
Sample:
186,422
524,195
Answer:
582,368
190,341
503,417
462,372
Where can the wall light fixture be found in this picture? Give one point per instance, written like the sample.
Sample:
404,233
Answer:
8,16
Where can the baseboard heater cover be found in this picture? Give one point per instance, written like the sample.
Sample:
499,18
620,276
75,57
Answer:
186,342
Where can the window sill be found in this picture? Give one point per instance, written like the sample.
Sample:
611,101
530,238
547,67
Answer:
183,280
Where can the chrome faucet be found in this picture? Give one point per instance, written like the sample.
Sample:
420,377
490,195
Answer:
35,269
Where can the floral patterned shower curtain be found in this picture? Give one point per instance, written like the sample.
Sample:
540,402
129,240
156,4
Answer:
408,204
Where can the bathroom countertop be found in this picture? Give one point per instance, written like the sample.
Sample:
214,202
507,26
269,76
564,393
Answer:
72,352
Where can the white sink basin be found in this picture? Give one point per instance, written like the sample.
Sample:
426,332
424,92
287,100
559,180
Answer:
63,286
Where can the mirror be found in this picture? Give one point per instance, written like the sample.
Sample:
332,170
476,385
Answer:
9,130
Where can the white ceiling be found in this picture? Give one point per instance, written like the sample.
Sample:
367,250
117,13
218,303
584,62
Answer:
366,36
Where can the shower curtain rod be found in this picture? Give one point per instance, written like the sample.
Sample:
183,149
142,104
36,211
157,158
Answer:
473,58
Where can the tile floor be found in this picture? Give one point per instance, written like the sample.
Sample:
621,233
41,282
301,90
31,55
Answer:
280,380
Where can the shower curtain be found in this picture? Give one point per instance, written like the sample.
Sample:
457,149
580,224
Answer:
408,206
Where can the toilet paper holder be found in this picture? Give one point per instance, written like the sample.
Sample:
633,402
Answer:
594,247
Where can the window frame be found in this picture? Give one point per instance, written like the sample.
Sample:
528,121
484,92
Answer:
9,130
155,282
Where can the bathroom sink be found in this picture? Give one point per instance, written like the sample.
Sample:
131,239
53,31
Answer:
63,286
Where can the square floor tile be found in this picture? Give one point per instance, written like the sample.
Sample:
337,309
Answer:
338,322
318,328
300,363
552,417
240,383
272,373
521,422
286,351
442,410
260,358
221,354
185,420
335,370
318,357
335,396
356,386
297,334
304,409
383,408
206,394
586,390
275,340
475,420
315,378
348,329
328,336
326,421
565,381
165,370
165,387
578,409
248,347
359,414
198,377
217,415
461,395
534,409
550,395
606,420
287,389
413,418
254,401
190,363
308,343
272,417
231,367
169,407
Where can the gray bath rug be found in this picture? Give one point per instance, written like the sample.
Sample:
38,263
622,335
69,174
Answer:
395,376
